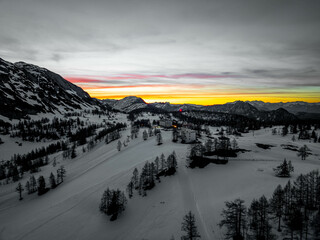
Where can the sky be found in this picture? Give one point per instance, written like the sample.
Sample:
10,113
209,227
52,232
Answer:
181,51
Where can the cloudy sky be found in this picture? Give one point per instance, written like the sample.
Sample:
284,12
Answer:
193,51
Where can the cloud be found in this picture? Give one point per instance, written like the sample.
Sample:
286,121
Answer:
247,43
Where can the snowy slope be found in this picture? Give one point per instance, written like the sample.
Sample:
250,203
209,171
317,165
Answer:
71,210
29,89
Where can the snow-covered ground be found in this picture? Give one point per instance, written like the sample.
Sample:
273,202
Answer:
71,210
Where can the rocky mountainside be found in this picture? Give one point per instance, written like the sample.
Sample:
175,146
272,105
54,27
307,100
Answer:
127,104
29,89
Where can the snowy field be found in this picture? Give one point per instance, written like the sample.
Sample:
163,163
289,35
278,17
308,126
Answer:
71,210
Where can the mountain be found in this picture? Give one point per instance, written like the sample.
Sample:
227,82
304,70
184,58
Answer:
29,89
127,104
292,107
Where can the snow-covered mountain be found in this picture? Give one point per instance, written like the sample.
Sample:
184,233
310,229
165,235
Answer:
292,107
127,104
29,89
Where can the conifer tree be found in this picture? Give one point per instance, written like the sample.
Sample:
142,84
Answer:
61,173
130,189
303,152
135,178
53,181
284,169
20,189
41,185
145,135
33,184
189,227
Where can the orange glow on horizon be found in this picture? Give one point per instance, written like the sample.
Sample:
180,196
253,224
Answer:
201,94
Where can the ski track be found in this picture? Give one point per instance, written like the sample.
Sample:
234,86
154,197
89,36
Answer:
189,197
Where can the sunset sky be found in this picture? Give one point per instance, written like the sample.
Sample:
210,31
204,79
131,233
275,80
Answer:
181,51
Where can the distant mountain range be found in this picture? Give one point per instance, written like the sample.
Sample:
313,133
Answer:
132,103
29,89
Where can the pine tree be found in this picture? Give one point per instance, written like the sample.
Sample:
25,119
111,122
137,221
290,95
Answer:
284,169
277,204
33,184
73,152
20,189
163,164
28,187
130,189
41,185
113,203
145,135
53,181
61,173
189,227
303,152
234,144
135,178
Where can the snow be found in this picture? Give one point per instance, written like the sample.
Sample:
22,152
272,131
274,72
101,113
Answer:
71,210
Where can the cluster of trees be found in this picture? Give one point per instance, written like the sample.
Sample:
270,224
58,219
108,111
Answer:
31,161
110,132
239,123
303,130
296,207
151,172
39,185
284,169
113,203
221,147
142,123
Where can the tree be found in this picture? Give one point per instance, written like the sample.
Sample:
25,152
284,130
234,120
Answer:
159,138
33,184
208,145
20,189
119,145
175,135
73,152
61,173
303,152
41,185
113,203
284,169
135,178
259,220
28,187
277,204
53,181
189,227
284,131
234,219
234,144
145,135
130,189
